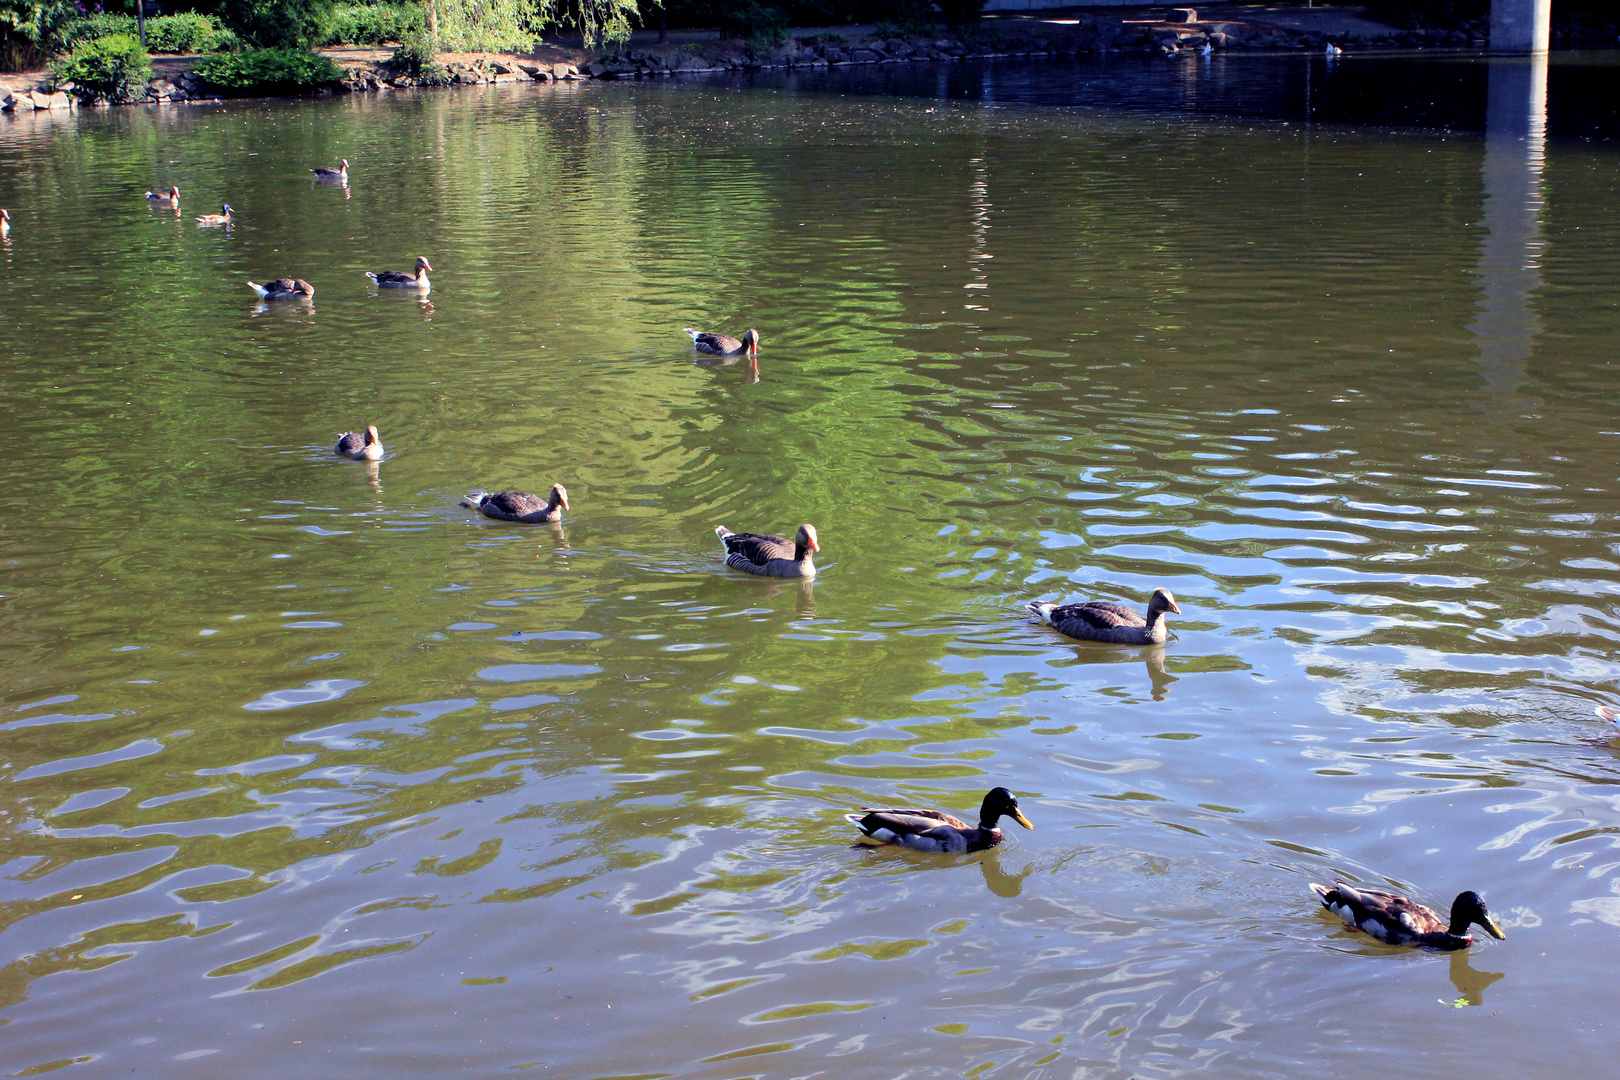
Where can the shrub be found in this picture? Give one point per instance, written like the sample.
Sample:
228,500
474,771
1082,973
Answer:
278,24
113,68
268,71
417,58
372,24
183,33
32,29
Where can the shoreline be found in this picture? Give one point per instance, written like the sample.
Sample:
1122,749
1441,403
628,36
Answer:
1054,32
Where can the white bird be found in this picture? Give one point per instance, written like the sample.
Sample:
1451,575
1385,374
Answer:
1611,715
1332,49
1206,50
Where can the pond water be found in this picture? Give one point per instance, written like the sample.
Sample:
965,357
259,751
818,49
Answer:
307,771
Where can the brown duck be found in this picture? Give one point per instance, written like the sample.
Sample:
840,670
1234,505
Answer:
399,279
771,556
1103,621
360,447
519,505
339,173
283,289
1398,921
724,344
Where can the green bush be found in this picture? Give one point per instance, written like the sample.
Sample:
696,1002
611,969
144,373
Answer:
278,24
372,24
268,71
417,58
30,30
187,32
113,68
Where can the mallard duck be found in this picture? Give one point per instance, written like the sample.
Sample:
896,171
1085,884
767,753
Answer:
1399,921
1103,621
284,289
771,556
1603,711
223,218
724,344
366,447
164,198
934,830
398,279
339,173
519,505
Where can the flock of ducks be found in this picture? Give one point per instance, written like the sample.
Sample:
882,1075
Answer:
1387,917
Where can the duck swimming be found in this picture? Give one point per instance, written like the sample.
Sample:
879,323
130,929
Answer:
339,173
1396,920
164,198
1604,712
771,556
519,505
724,344
1103,621
935,830
398,279
366,447
284,289
5,222
216,219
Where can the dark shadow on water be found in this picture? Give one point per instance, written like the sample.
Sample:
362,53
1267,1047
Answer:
1443,91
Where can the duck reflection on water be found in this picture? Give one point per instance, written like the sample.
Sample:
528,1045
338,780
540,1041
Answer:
1469,981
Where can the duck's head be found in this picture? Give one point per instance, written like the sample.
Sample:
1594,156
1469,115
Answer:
174,193
751,341
371,434
1469,908
1000,803
559,496
303,287
806,536
1163,601
226,209
5,215
422,264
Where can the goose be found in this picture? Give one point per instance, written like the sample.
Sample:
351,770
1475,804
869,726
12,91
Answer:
724,344
366,447
284,289
216,219
339,173
771,556
519,505
164,198
1396,920
398,279
1604,712
935,830
1103,621
5,221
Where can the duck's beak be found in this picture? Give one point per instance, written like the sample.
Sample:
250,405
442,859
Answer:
1018,816
1174,608
565,502
814,546
1492,929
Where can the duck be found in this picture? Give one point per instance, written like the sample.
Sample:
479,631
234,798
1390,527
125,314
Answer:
284,289
164,198
1103,621
360,447
935,830
398,279
724,344
339,173
771,556
223,218
519,505
1396,920
5,221
1333,50
1604,712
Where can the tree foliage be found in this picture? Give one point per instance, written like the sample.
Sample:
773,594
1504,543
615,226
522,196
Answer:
31,29
278,24
113,68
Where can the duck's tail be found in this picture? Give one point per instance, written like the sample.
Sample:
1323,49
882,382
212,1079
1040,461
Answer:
722,532
370,275
259,289
695,333
474,499
1041,609
1322,892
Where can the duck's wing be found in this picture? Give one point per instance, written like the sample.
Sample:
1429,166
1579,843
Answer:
921,830
758,549
1099,614
714,343
285,284
351,442
912,818
1397,914
516,503
395,277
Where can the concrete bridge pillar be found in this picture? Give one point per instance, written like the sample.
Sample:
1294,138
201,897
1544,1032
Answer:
1521,26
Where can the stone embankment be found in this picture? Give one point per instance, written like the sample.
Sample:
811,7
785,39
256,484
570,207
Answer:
1178,31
